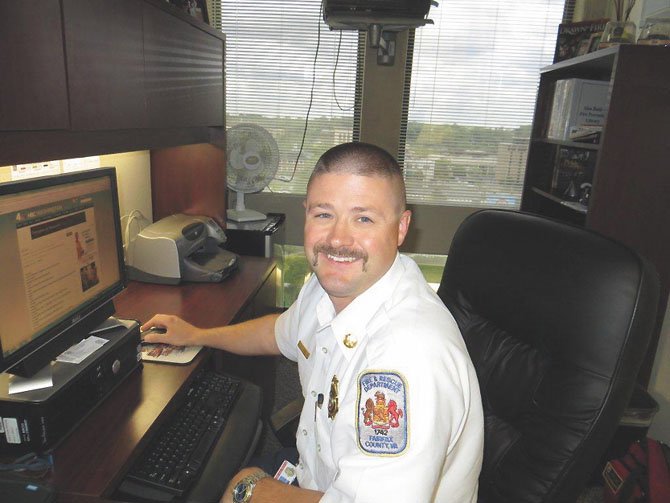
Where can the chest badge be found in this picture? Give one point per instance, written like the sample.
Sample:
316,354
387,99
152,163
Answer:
333,398
350,341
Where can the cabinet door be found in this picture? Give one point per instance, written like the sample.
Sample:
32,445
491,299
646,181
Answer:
105,63
183,70
33,93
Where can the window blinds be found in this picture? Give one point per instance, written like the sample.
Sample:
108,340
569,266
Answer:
283,63
470,96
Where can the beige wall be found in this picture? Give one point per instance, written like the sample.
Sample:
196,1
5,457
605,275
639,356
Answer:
133,178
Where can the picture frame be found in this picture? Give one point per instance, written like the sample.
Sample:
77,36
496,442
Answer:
195,8
575,39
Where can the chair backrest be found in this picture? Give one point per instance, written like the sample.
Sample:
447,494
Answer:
557,320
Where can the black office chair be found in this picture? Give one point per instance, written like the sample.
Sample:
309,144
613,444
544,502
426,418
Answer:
557,320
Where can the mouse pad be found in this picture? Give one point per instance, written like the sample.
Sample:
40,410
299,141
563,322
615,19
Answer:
167,353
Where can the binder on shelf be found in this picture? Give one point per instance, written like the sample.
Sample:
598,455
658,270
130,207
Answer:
577,104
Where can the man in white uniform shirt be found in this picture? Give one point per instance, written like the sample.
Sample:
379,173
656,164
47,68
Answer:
392,407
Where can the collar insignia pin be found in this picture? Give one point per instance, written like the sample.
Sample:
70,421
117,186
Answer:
350,341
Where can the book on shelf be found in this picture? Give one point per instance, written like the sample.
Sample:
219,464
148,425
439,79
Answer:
574,167
576,39
585,134
577,104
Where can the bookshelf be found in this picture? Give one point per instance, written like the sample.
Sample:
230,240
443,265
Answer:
630,199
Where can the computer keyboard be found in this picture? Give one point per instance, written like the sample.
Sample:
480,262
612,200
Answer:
176,454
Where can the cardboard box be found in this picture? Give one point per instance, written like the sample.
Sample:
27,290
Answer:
577,103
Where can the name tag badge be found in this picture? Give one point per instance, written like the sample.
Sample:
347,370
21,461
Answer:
303,350
286,473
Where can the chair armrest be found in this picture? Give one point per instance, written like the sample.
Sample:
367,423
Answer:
284,422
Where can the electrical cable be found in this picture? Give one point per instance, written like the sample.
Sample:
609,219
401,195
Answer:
134,215
311,100
30,462
337,59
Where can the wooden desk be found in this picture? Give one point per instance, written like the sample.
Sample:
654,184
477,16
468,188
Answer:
92,459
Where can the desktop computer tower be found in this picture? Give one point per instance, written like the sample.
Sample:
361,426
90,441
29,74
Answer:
36,420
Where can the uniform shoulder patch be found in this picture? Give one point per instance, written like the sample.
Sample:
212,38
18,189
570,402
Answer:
381,422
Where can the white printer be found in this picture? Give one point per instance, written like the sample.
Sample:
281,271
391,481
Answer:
180,248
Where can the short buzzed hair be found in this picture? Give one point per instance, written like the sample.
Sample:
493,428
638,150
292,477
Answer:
363,159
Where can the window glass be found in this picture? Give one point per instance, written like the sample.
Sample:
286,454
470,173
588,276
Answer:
283,63
471,98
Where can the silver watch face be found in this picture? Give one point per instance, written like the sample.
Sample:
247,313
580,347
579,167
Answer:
240,492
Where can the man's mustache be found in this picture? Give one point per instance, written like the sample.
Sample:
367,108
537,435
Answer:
338,252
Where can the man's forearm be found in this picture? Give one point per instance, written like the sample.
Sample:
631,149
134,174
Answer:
253,337
271,491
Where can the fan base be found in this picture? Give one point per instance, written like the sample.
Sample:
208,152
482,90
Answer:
245,215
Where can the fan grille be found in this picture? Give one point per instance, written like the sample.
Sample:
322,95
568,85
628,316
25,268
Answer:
253,158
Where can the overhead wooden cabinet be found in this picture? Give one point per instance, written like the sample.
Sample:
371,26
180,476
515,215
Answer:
183,72
118,76
105,63
33,93
630,165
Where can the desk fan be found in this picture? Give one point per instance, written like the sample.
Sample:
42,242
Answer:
253,159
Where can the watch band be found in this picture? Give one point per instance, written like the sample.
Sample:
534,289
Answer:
244,488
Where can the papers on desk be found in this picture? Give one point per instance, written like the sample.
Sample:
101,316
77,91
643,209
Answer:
44,379
82,350
167,353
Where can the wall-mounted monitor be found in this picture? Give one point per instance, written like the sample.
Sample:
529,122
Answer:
62,261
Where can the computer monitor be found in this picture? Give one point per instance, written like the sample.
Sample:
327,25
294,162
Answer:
62,261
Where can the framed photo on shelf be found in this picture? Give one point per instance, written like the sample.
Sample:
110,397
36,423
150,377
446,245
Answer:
195,8
575,39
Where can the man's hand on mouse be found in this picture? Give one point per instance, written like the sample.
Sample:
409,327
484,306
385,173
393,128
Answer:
168,329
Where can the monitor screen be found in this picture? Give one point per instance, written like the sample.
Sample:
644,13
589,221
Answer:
62,262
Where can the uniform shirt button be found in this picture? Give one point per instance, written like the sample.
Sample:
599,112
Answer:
325,350
318,447
313,393
304,432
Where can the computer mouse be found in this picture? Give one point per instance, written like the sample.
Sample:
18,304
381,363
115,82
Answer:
152,330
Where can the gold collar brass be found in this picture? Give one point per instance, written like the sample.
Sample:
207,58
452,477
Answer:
350,341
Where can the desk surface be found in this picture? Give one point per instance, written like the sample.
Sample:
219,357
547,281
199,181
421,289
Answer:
91,460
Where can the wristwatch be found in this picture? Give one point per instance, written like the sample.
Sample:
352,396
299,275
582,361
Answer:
243,489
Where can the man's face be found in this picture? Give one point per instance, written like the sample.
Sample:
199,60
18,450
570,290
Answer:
353,227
